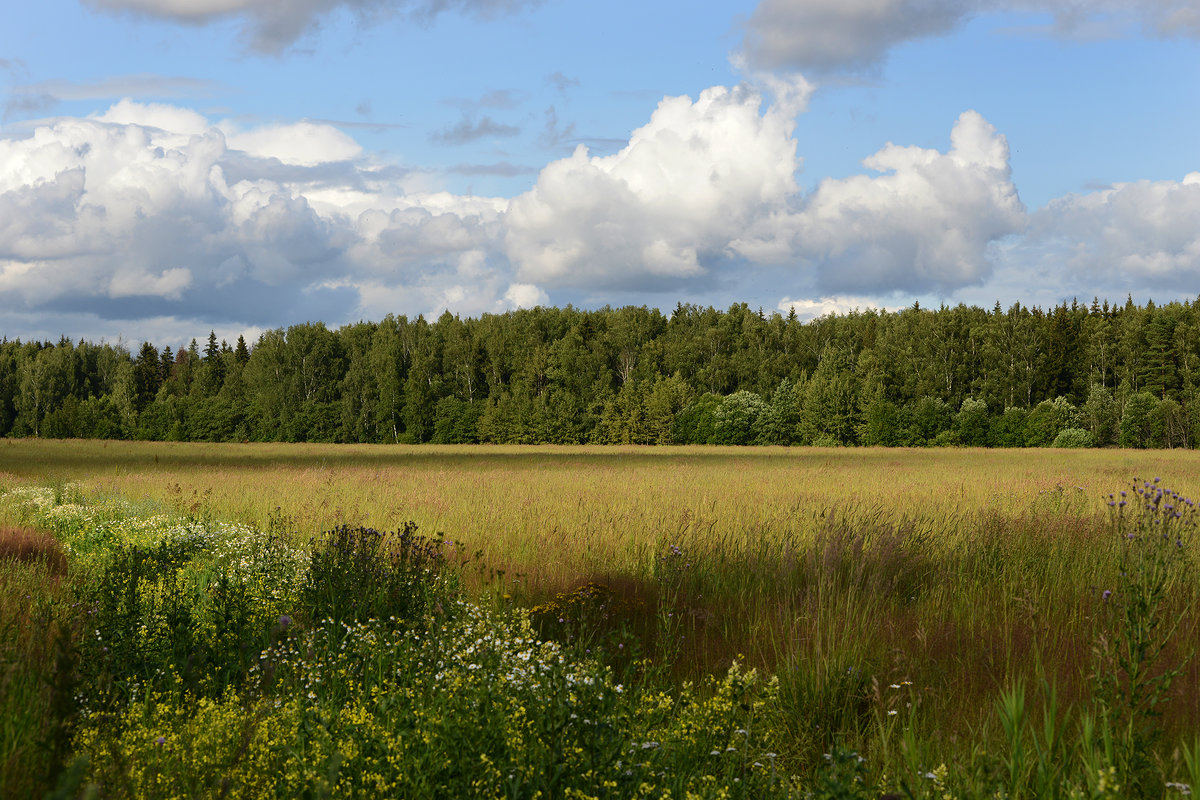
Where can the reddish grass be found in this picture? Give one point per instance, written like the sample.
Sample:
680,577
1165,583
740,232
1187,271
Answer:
28,545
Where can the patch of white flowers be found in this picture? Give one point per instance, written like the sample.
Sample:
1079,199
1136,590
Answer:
91,526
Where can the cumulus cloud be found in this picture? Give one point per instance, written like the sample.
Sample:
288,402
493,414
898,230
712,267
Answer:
1132,237
149,211
305,143
525,295
273,25
666,206
807,309
923,224
824,36
165,118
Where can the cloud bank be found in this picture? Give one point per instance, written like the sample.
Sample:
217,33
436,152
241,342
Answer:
155,212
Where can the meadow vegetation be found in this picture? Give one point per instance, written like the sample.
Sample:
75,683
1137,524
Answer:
237,620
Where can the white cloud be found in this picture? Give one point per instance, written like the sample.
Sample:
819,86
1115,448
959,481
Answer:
666,206
837,304
922,225
151,212
524,295
304,143
1131,237
130,214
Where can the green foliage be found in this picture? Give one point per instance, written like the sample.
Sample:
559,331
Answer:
628,375
358,574
1008,429
217,693
697,423
1048,419
971,423
830,413
881,423
1072,438
923,421
736,418
1141,423
843,777
1100,415
456,421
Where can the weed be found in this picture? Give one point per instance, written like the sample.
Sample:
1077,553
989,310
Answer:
358,574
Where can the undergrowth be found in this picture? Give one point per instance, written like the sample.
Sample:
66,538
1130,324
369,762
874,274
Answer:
154,655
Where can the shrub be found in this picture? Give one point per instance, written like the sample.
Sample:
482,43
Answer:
358,574
1072,437
1141,425
971,423
1047,419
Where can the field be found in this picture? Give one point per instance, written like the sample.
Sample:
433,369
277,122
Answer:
906,600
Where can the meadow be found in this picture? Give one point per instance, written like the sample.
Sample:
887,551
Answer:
966,622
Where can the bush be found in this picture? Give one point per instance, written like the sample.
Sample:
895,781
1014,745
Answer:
736,417
1008,429
1141,425
1072,437
1047,419
971,423
359,574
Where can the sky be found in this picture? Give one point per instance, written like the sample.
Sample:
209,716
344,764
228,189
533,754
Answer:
171,167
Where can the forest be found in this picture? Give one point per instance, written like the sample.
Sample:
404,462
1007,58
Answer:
1071,376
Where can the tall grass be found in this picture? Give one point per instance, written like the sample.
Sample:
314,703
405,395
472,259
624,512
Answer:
40,625
918,608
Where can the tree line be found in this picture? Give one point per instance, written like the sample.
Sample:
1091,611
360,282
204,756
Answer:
1073,375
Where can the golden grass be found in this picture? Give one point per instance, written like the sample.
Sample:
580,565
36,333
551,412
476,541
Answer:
1013,544
576,509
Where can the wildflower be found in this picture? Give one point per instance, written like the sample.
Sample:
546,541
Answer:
1107,594
161,740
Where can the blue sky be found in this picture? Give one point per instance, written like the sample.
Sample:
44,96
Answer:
173,166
